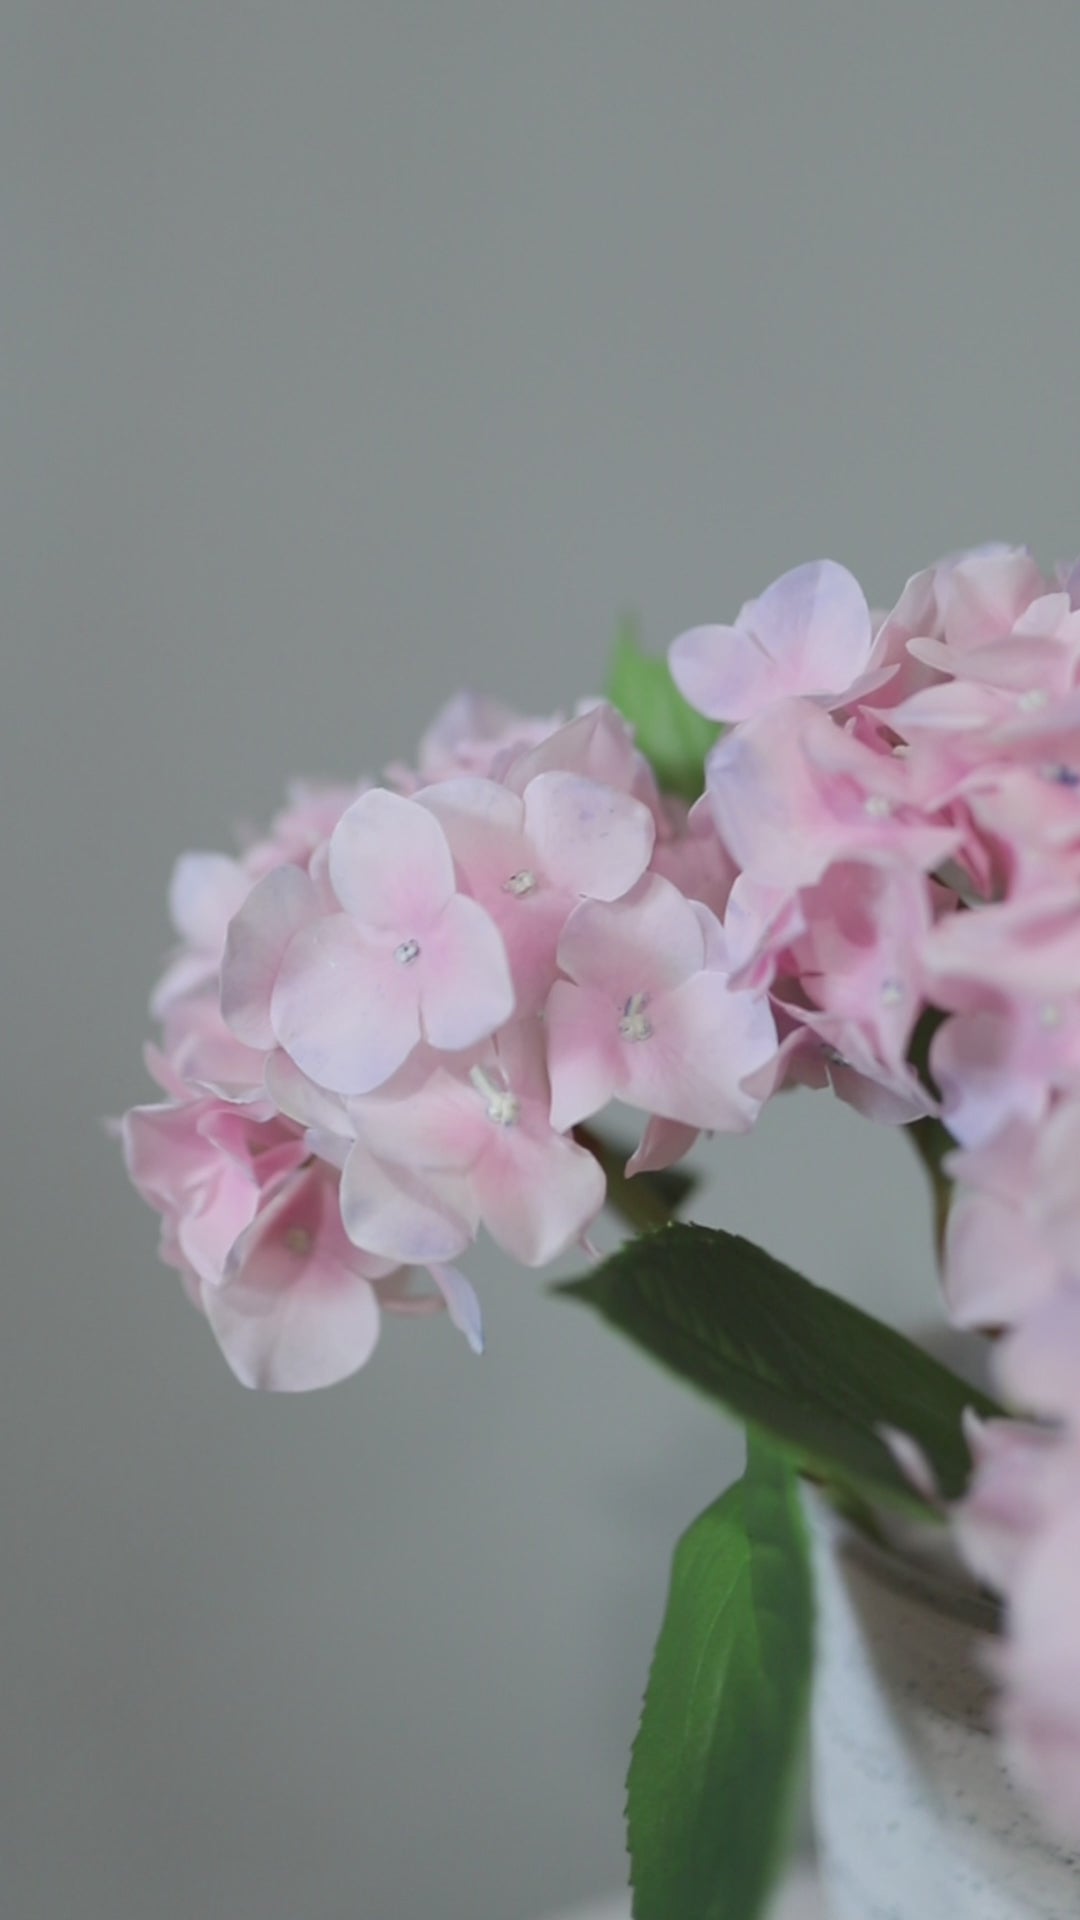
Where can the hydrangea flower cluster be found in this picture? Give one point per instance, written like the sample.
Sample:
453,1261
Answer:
901,798
386,1020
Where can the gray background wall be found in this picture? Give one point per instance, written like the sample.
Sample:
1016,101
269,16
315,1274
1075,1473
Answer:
350,353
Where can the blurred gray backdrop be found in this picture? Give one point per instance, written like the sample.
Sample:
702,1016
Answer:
351,353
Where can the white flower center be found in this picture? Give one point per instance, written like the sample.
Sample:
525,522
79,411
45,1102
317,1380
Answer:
502,1106
1033,700
298,1240
877,806
520,883
408,951
892,993
1050,1015
634,1023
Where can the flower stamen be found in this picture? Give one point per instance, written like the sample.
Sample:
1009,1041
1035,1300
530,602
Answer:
503,1107
634,1023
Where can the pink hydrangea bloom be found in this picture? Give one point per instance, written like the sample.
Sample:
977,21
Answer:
909,852
471,1145
646,1014
808,634
792,792
360,1035
388,1015
408,956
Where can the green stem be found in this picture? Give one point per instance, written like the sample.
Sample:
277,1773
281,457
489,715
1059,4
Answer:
932,1142
636,1201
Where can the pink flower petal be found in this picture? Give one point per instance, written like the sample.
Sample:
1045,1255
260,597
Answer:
808,634
995,1267
419,1219
644,943
537,1194
484,825
583,1053
390,865
205,891
466,991
983,594
297,1314
662,1145
461,1304
590,838
275,909
344,1007
436,1127
704,1041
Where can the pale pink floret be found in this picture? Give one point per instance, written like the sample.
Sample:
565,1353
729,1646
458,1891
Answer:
646,1015
598,744
984,593
529,858
690,853
252,1223
205,891
1021,1476
1003,1061
473,735
302,827
298,1307
205,1056
206,1167
1027,947
1040,1707
791,792
810,634
998,1265
858,959
277,908
468,1147
408,957
1019,1528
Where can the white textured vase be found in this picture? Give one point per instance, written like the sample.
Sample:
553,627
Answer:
916,1816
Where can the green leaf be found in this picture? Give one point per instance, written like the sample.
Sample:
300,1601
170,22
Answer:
717,1754
671,735
798,1363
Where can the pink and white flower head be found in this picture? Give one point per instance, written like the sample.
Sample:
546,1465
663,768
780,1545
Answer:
377,988
390,1017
